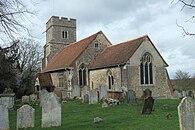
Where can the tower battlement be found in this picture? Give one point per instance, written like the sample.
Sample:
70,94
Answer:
61,21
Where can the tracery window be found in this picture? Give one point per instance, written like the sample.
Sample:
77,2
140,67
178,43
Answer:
146,69
82,75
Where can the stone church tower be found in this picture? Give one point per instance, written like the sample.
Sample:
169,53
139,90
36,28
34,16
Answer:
59,33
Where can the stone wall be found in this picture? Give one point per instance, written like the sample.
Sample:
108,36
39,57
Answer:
159,87
100,77
54,40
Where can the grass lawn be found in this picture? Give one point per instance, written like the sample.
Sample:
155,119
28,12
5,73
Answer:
79,116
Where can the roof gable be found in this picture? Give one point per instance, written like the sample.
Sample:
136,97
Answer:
67,56
117,54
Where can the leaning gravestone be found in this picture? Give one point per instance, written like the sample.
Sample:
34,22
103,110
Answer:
186,112
131,97
51,111
148,105
4,119
25,117
93,97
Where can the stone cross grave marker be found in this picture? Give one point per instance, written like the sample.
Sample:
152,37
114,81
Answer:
25,117
4,119
51,111
131,97
148,105
186,113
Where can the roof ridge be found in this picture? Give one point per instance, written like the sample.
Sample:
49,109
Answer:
144,36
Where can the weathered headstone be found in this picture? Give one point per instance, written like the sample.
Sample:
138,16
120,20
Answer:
131,97
51,111
147,93
186,112
43,96
7,100
75,91
148,105
93,97
25,99
64,95
25,117
86,98
33,97
4,119
103,91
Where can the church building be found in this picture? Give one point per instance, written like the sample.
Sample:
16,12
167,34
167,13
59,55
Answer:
77,67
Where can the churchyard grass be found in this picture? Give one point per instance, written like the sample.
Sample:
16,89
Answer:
79,116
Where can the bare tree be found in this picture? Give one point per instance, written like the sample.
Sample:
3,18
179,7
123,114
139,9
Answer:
12,13
183,80
9,76
190,4
28,64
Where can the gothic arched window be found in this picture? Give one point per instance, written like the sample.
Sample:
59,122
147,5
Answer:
110,80
146,69
82,75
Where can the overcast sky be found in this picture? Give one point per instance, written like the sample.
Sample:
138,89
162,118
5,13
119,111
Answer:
123,20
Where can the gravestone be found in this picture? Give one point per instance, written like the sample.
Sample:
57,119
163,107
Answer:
86,98
51,111
103,91
43,96
93,96
148,105
186,113
190,94
7,100
147,93
4,119
25,117
33,97
75,91
131,97
25,99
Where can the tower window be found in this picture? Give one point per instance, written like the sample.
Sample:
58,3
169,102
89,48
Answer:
96,45
146,69
64,34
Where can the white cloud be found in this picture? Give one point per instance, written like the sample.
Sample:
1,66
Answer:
125,20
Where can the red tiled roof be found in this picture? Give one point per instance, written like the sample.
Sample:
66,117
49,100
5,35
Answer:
66,57
117,54
45,80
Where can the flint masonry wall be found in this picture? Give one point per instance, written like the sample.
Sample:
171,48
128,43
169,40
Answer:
100,77
159,87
